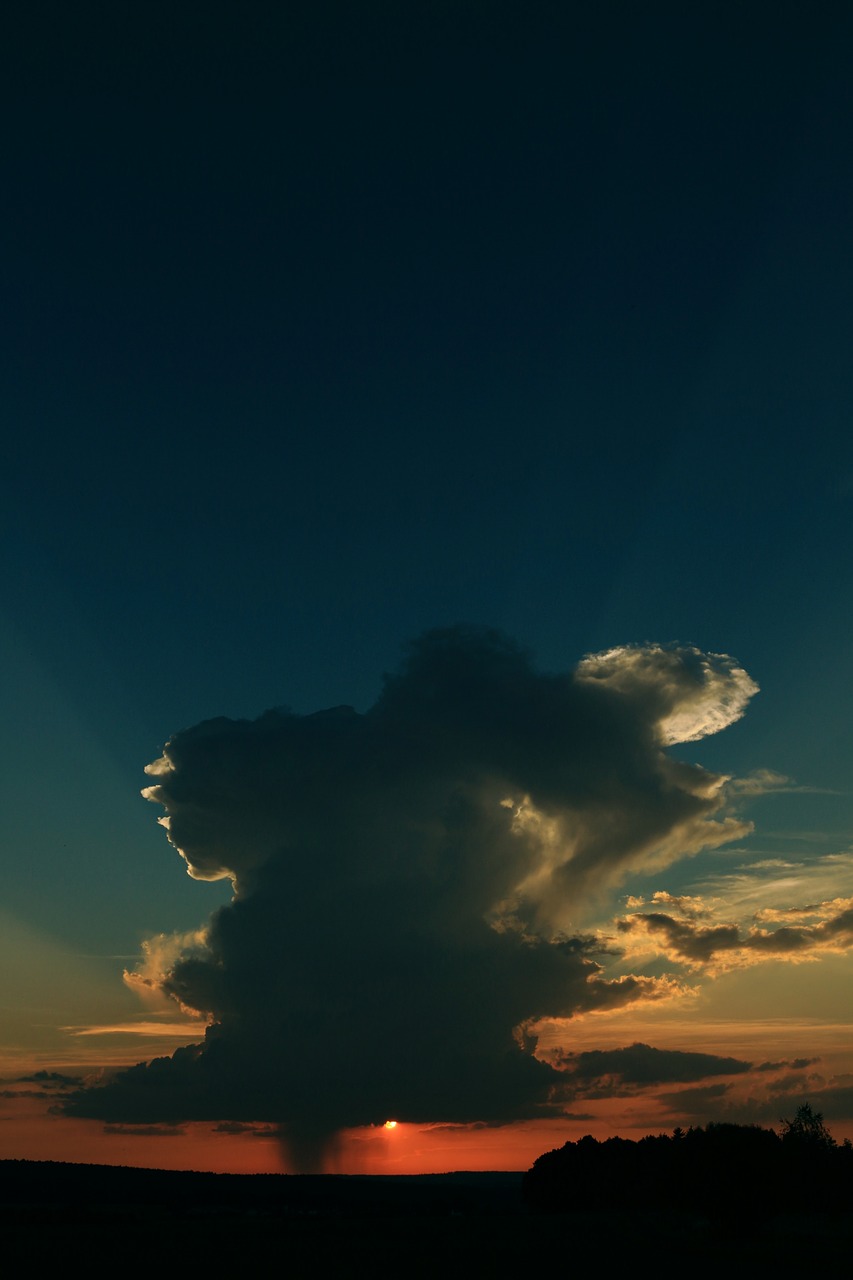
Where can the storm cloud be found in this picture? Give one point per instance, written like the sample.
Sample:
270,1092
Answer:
411,883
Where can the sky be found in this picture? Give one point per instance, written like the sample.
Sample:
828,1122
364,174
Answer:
426,579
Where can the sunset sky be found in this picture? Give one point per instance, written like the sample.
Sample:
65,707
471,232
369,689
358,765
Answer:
428,476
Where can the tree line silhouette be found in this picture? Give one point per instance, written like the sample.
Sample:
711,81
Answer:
728,1172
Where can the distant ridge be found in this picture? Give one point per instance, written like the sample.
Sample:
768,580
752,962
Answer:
62,1186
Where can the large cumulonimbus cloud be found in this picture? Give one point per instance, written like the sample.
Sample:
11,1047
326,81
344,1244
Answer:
410,883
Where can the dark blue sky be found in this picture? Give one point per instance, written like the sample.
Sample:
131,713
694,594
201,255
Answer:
327,324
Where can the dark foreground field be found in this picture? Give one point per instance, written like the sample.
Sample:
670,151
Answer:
103,1217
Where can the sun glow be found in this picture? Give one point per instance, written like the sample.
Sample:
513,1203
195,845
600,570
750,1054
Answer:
390,1124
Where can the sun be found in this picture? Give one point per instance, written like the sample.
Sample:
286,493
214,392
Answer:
390,1124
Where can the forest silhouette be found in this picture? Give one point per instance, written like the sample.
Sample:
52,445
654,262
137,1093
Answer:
736,1175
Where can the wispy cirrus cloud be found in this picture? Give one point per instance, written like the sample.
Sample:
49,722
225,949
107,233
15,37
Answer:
165,1030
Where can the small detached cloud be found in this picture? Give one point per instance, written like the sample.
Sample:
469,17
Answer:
693,908
145,1130
814,912
42,1084
718,947
234,1127
608,1072
411,884
51,1080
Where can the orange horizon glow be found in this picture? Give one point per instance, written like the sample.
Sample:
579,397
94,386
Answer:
30,1132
